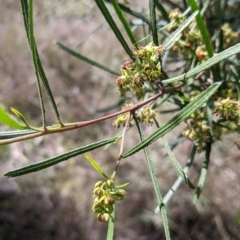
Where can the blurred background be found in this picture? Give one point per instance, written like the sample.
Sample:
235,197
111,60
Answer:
55,203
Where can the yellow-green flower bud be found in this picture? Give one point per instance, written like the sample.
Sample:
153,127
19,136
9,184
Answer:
104,217
110,183
98,192
120,193
109,201
97,206
98,184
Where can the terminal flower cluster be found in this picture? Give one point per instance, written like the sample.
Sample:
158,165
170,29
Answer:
190,40
228,110
106,193
145,115
198,130
230,37
145,68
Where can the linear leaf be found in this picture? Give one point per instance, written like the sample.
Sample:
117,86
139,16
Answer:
153,21
34,167
6,119
210,62
112,24
85,59
176,120
202,27
203,174
179,180
27,10
96,166
27,13
175,162
124,21
177,165
20,116
172,37
13,134
132,12
157,189
87,36
162,10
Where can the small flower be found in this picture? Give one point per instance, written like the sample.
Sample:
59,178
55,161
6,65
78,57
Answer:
104,217
230,37
109,201
201,53
106,194
98,192
146,115
123,118
198,130
145,68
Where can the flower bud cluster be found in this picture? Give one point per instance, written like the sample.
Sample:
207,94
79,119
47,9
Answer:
201,53
145,114
228,110
122,119
191,39
230,37
145,68
177,19
198,130
106,194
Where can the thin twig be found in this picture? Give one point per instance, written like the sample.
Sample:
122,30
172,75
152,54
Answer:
72,126
124,134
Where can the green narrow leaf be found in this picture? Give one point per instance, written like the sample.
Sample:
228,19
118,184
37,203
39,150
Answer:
210,62
179,180
177,165
203,173
124,21
202,27
167,44
6,119
172,5
14,134
176,120
34,167
110,232
27,11
112,24
47,88
157,189
153,21
96,166
174,160
87,36
162,10
132,12
85,59
19,115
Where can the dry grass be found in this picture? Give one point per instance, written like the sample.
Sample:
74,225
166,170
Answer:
56,203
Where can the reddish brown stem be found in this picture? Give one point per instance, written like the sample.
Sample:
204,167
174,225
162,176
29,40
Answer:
72,126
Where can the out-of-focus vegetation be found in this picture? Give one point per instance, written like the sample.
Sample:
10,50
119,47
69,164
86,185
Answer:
56,203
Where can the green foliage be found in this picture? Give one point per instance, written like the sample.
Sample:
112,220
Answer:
206,95
6,119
